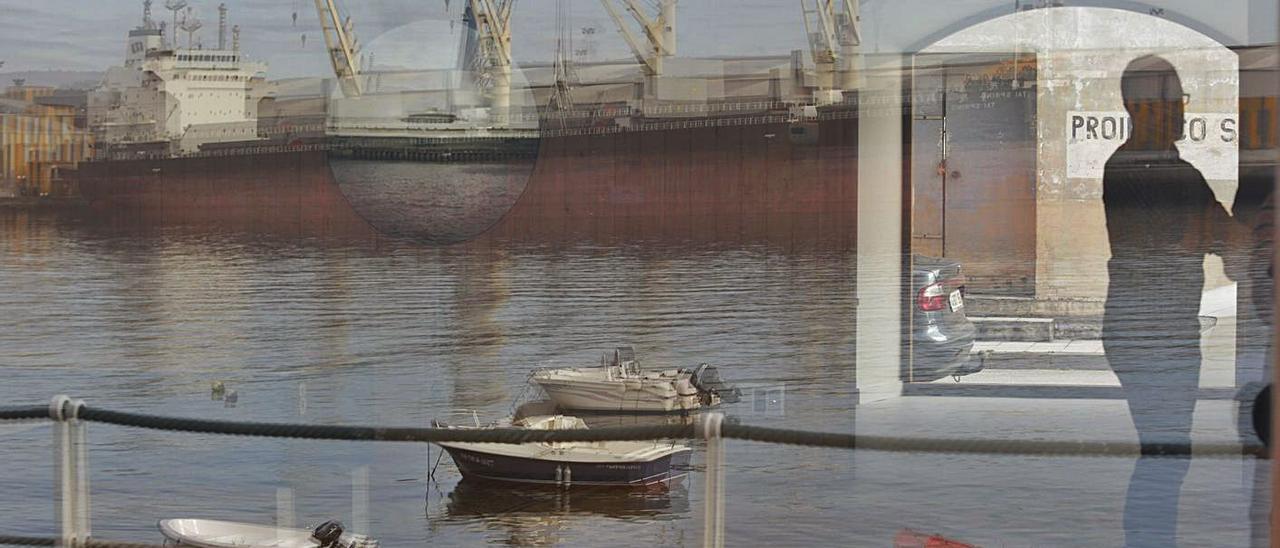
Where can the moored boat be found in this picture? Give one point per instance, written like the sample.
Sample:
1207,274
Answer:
620,385
600,463
210,533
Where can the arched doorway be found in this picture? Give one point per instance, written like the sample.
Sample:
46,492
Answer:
1012,119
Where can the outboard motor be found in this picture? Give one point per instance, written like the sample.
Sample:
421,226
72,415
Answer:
328,533
707,379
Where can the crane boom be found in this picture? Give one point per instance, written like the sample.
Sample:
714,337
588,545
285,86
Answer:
833,30
493,34
340,42
659,32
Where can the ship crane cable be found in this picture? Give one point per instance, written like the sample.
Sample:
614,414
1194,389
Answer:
566,77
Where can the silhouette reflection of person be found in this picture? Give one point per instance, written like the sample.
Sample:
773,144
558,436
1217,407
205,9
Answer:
1162,219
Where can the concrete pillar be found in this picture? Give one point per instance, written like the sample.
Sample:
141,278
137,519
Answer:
880,161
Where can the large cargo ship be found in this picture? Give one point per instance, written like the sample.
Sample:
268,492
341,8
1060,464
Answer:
727,151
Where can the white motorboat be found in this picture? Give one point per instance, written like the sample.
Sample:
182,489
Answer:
614,463
209,533
620,385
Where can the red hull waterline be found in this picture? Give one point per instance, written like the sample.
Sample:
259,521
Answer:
735,185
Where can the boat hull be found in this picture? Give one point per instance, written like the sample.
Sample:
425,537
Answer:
206,533
489,466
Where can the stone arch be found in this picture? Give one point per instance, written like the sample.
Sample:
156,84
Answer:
1137,7
1081,53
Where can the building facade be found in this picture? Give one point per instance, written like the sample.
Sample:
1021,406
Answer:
42,132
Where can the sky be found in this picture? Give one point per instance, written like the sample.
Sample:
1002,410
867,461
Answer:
90,34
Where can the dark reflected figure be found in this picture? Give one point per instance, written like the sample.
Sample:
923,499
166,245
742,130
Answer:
1162,219
1255,208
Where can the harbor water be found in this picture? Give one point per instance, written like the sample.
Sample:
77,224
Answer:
359,333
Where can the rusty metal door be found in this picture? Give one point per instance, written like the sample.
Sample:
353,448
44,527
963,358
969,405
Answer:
974,167
927,159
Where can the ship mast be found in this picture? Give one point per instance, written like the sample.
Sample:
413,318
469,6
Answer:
340,42
191,24
659,31
834,31
222,26
174,6
493,34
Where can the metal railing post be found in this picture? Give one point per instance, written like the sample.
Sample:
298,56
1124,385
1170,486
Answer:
708,428
360,500
80,439
65,507
73,473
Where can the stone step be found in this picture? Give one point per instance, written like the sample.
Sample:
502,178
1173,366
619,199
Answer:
996,305
1078,328
1019,355
1009,328
1001,305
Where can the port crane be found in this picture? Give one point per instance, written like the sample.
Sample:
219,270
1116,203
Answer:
491,20
834,30
659,31
340,42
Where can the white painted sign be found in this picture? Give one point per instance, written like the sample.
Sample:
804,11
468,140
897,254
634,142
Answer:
1210,142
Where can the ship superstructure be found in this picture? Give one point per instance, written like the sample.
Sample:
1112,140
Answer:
172,98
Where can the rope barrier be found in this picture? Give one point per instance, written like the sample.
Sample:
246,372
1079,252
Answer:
369,433
10,540
24,413
789,437
1047,448
641,433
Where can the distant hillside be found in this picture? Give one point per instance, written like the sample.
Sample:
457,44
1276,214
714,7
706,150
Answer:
58,78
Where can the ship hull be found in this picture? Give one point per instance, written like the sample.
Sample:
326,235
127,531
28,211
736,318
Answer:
281,194
745,184
742,184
